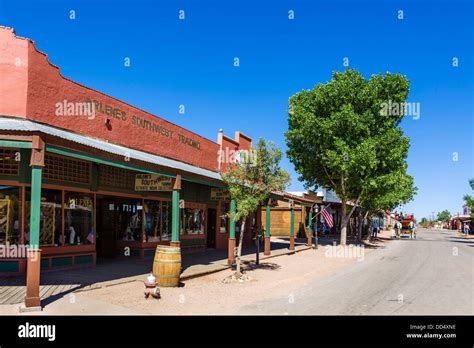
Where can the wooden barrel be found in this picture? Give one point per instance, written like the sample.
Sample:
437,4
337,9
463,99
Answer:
167,265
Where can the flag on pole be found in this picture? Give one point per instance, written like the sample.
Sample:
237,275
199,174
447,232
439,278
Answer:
327,215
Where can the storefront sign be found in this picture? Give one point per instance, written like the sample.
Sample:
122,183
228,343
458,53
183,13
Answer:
219,194
153,182
140,122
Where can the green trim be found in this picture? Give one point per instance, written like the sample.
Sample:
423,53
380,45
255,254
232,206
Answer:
310,217
16,144
100,160
96,159
83,259
95,177
61,261
175,216
9,266
66,183
204,182
24,166
292,222
267,221
10,177
149,253
44,263
232,221
36,173
192,243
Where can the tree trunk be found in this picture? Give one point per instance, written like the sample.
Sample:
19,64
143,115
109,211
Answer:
343,223
360,224
369,227
239,249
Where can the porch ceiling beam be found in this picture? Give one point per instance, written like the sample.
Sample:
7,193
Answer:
16,144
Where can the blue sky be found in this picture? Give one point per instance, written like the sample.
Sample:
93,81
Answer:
190,62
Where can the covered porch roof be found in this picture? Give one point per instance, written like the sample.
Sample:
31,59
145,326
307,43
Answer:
23,125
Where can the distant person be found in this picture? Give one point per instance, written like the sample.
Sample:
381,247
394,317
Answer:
375,229
466,228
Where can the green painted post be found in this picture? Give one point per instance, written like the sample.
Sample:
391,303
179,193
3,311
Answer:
175,216
232,221
310,219
292,222
267,221
35,206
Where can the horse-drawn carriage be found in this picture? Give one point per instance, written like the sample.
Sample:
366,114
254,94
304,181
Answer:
408,226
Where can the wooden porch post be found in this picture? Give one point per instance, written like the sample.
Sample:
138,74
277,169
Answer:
175,212
231,243
33,267
292,227
310,230
267,230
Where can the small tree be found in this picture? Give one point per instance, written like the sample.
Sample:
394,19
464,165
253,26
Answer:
251,182
444,215
470,199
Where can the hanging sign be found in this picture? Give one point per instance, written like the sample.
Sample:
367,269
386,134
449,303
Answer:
219,194
153,182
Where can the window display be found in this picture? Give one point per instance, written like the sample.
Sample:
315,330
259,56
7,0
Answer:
152,220
192,221
129,217
50,217
10,205
78,216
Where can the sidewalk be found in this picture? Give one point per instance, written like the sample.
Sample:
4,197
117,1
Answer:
56,284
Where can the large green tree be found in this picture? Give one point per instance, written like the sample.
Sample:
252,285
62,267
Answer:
344,135
251,182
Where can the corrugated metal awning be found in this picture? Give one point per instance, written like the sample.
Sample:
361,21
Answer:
14,124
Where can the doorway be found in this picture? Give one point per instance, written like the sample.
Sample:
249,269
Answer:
117,219
106,227
211,228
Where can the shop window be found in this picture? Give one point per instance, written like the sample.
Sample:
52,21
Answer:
10,205
50,217
64,169
224,218
152,220
129,219
192,221
78,218
9,162
166,221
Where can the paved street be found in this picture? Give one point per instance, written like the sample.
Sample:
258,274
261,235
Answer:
430,275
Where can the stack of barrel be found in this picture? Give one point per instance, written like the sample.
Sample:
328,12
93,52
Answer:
167,265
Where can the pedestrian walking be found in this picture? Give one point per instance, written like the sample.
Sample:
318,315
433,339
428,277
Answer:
466,228
375,228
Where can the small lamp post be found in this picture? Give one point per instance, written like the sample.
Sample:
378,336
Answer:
316,211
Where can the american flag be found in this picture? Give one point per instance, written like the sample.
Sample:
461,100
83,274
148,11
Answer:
327,215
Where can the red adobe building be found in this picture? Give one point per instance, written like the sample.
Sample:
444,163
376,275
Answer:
85,176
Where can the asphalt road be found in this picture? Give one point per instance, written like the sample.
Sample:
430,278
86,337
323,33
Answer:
433,274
